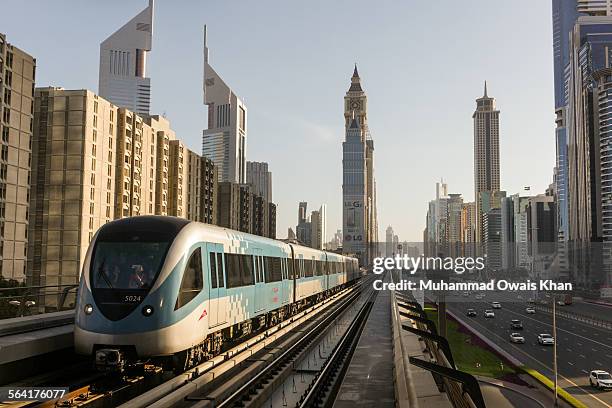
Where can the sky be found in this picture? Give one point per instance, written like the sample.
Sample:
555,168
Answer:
422,65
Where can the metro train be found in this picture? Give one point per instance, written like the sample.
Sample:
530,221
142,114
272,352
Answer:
175,291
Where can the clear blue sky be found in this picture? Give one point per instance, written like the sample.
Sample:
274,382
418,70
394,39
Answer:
422,65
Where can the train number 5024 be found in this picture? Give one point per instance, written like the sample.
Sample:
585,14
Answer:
132,298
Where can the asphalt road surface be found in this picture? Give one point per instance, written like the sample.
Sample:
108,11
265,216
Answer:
580,347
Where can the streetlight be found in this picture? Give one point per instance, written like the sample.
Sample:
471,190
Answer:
554,313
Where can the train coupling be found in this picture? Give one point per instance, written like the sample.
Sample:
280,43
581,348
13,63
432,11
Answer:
109,360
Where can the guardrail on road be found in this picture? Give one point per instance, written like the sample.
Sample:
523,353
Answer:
604,324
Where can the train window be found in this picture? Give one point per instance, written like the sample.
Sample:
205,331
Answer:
246,263
308,268
192,282
273,269
232,269
220,270
213,270
290,267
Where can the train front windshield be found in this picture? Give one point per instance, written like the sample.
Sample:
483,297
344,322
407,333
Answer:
127,265
127,258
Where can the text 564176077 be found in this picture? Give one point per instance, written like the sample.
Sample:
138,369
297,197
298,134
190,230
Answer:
8,394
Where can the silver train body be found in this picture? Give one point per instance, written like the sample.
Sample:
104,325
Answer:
157,286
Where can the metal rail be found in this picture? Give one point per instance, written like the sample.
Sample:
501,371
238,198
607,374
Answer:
327,382
286,356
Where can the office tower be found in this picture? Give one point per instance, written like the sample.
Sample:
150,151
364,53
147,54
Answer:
74,181
224,139
589,191
468,222
564,16
486,151
17,75
303,228
491,232
245,223
389,241
272,220
206,191
507,233
260,179
323,225
360,222
541,214
315,225
318,221
454,232
228,205
260,213
123,63
302,208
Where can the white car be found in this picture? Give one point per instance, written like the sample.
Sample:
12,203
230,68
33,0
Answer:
517,338
496,305
489,313
546,339
600,379
530,310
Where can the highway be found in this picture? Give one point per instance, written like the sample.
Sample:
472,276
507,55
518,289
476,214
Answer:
581,347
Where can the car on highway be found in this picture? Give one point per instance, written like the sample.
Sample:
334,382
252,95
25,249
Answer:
530,310
560,303
496,305
517,338
545,339
516,324
471,313
600,379
466,294
489,313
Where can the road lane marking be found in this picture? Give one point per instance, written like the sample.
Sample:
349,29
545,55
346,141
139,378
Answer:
545,366
559,329
582,355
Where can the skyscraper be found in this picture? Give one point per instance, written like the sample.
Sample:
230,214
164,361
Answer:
318,227
564,16
389,241
224,140
360,223
260,179
17,75
123,63
486,152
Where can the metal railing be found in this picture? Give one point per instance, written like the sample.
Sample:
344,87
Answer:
31,300
462,388
604,324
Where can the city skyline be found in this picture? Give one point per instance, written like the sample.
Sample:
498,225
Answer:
398,125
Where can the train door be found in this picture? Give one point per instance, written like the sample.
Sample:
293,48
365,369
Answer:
215,267
293,270
260,282
285,282
326,272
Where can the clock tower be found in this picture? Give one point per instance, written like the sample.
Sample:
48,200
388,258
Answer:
355,104
359,221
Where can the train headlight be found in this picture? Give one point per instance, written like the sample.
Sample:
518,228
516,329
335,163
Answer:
147,310
88,309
